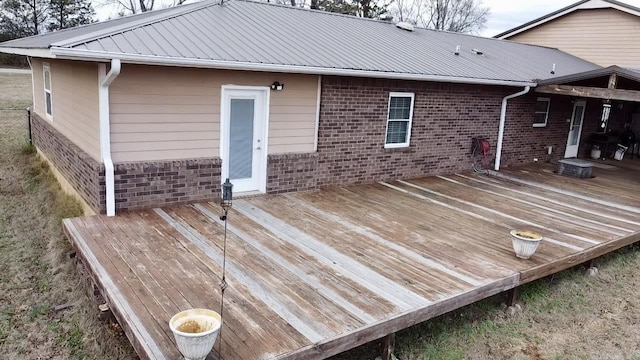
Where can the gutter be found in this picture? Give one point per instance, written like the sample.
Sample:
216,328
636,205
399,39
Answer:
503,118
105,80
91,55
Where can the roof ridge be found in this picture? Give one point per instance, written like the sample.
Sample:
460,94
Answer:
162,15
392,22
316,11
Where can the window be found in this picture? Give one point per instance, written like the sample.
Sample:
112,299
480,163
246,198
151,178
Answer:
399,120
47,90
542,112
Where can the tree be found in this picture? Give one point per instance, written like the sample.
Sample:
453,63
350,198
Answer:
465,16
21,18
371,8
126,7
362,8
69,13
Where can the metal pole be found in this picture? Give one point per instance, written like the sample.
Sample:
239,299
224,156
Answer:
29,125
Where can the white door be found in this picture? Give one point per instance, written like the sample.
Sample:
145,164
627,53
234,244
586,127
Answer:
243,137
577,118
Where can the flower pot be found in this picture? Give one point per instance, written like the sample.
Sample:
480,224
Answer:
525,243
195,331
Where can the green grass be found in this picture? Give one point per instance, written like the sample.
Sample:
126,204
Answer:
36,275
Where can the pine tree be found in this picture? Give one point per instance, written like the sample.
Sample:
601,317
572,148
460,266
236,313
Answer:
69,13
19,18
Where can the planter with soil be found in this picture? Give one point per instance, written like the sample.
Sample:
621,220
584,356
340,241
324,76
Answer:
525,243
195,331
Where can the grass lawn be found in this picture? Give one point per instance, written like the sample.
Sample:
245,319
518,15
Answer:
567,316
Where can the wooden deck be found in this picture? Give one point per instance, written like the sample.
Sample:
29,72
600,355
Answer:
317,273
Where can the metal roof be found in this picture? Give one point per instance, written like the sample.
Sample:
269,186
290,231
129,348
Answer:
580,5
282,38
629,73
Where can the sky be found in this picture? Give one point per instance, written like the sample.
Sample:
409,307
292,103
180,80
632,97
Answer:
505,14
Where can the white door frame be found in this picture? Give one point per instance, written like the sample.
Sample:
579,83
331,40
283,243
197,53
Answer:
263,111
572,150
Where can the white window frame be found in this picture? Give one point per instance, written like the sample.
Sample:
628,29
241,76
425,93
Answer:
546,113
46,68
410,120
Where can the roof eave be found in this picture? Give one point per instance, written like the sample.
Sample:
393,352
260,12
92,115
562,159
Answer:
32,52
586,75
91,55
581,5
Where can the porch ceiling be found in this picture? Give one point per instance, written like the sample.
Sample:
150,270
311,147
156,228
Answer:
316,273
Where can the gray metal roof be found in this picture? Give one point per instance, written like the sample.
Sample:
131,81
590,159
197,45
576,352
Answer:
629,73
248,32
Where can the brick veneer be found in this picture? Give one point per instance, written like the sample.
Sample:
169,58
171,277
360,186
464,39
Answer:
446,116
351,149
292,172
159,183
137,184
523,142
82,171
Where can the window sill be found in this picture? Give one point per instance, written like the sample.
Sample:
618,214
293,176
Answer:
406,148
539,125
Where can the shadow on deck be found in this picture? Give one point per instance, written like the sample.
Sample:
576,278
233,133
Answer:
314,274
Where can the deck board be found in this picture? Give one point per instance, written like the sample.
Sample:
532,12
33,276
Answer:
316,273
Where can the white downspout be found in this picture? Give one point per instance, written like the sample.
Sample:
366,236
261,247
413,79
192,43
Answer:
503,118
105,80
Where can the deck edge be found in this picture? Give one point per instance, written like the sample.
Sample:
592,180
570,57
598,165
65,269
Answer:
400,321
142,348
566,262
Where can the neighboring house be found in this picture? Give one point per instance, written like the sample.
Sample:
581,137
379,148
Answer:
158,108
605,32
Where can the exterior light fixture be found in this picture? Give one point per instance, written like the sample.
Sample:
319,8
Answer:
227,197
277,86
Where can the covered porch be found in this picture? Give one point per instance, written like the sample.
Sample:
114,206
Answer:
604,111
313,274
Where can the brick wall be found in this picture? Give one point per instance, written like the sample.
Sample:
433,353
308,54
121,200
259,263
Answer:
292,172
523,142
137,185
446,116
160,183
82,171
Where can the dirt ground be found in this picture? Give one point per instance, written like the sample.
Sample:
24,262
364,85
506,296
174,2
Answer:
566,316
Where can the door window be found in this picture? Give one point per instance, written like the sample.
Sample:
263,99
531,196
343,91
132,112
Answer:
241,138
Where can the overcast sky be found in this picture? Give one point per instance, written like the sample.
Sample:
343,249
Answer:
505,14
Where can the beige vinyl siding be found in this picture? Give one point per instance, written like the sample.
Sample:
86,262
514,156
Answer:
603,36
74,97
162,113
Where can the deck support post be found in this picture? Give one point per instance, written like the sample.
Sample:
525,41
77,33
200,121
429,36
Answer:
388,345
590,267
512,296
589,264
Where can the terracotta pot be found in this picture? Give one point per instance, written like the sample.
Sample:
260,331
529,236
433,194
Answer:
525,243
195,331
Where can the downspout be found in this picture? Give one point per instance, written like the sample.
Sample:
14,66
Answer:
105,80
503,118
